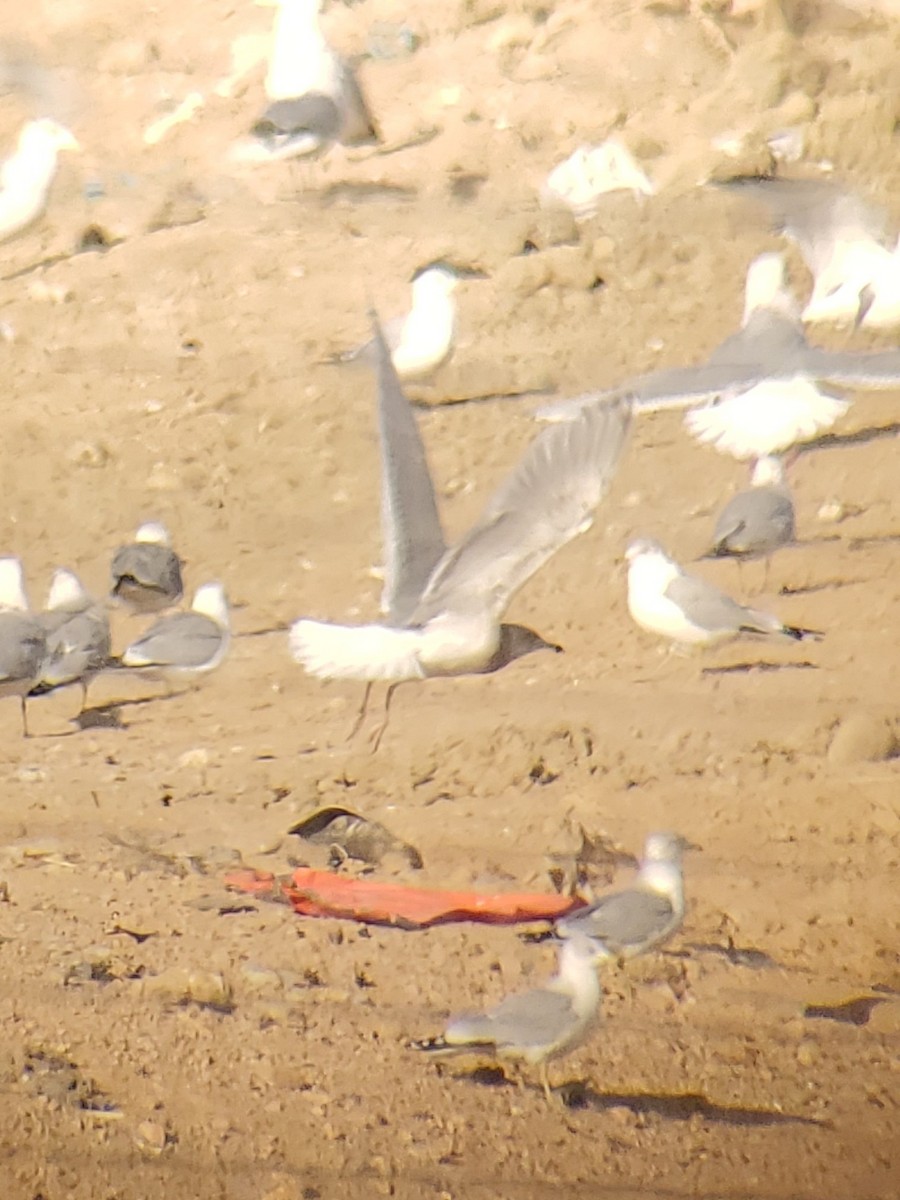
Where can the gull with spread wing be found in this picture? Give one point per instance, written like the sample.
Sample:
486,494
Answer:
443,606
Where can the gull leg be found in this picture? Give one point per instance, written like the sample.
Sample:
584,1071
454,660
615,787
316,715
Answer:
361,715
24,704
545,1080
379,732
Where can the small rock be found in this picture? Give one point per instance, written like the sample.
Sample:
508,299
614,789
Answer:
832,512
196,758
862,737
151,1138
88,454
808,1053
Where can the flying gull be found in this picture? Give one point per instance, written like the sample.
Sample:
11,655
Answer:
183,646
443,607
666,600
423,339
146,574
26,176
532,1027
845,242
22,640
315,99
643,916
764,388
77,633
758,520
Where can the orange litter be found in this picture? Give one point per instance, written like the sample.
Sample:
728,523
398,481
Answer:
323,894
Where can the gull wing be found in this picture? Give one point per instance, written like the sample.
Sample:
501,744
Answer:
184,641
546,500
411,526
878,370
622,920
817,215
531,1020
708,608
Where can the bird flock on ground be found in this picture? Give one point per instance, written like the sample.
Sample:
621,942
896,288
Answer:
762,393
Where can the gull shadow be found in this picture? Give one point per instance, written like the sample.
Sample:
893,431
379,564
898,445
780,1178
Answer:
851,1012
107,716
366,192
680,1107
747,668
858,437
827,585
451,401
736,956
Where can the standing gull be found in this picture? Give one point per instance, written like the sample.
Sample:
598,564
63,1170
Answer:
443,607
666,600
146,574
183,646
22,641
762,390
26,176
845,242
532,1027
314,96
642,917
77,632
423,339
758,520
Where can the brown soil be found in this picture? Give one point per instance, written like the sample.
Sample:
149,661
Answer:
165,1039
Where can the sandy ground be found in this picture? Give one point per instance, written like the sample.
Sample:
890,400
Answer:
163,1038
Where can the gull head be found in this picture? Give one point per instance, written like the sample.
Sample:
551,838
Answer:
766,287
577,954
664,847
46,134
516,641
12,585
440,279
645,548
768,471
661,866
153,533
66,592
210,601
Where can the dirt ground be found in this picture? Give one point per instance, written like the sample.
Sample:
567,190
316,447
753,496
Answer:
165,1038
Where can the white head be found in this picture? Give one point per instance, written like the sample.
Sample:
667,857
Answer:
66,592
644,548
12,584
437,280
661,866
766,287
578,955
154,534
211,601
39,136
768,471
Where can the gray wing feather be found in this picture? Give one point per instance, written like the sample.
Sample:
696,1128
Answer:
708,608
182,640
879,370
411,526
531,1019
22,647
814,214
756,521
313,113
75,648
149,565
623,920
546,500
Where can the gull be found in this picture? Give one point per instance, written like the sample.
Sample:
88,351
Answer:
26,176
146,574
185,645
22,640
643,916
314,96
758,520
443,607
532,1027
763,389
423,339
845,243
664,599
77,633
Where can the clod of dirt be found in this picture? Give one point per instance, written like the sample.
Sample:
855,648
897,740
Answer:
863,737
183,986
